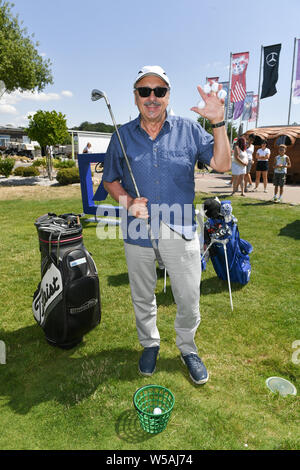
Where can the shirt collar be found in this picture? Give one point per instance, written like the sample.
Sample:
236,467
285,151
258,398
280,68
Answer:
167,122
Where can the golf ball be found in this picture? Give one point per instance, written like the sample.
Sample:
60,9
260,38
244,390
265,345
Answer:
201,104
207,88
222,94
215,86
157,411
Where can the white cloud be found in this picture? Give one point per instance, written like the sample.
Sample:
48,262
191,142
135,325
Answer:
35,96
67,93
9,103
8,109
17,96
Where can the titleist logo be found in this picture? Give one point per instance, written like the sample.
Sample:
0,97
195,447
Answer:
49,291
50,288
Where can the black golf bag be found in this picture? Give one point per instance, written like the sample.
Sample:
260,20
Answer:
66,303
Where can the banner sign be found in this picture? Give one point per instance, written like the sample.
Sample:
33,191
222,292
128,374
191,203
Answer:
238,80
238,109
297,80
247,106
271,64
254,108
212,80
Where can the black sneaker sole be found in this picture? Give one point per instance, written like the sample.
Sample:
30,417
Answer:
199,382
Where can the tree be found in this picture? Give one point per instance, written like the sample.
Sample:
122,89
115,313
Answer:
208,128
48,128
21,66
96,127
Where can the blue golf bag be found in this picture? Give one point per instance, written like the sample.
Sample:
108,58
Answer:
221,228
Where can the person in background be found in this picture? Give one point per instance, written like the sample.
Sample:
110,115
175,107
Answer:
249,150
239,165
281,163
87,148
262,165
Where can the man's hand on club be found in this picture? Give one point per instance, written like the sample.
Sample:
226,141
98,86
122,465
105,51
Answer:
213,109
138,208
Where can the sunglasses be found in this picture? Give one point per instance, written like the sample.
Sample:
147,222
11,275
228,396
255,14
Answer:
145,91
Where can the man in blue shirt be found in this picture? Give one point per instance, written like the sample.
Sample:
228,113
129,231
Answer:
162,151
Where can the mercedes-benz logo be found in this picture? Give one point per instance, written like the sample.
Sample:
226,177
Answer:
271,59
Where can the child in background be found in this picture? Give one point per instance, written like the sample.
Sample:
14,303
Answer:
281,164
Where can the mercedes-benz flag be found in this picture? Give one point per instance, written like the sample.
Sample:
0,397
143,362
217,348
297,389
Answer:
271,63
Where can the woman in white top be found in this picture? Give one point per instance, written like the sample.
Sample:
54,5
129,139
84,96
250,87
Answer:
87,148
262,166
249,150
239,165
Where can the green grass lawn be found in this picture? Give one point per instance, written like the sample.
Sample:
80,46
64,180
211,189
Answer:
82,398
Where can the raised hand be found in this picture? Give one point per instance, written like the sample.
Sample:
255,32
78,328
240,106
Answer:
210,107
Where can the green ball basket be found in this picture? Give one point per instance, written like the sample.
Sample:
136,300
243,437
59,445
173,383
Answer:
146,399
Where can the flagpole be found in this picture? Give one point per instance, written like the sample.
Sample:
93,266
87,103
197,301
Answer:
259,81
229,92
291,94
204,118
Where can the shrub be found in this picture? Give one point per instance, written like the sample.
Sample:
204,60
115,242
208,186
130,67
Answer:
26,171
64,164
40,162
6,166
19,171
68,176
31,171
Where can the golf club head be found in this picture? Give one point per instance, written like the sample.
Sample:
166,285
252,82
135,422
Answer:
97,95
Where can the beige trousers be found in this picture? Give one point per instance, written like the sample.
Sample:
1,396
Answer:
182,260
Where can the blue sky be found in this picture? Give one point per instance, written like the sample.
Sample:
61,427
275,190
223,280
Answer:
103,44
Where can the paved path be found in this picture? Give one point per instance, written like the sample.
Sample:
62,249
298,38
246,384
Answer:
215,184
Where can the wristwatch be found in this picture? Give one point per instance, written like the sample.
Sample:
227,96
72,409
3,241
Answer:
219,124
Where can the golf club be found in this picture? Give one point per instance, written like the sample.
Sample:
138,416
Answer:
95,96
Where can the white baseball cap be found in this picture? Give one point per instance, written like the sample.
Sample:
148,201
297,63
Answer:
152,70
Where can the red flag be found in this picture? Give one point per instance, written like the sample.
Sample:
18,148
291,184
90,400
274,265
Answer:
212,80
254,108
238,80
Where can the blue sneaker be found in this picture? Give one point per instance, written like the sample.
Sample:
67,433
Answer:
147,362
197,369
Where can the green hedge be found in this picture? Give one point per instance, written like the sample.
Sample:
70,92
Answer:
68,176
26,171
6,166
63,164
40,162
